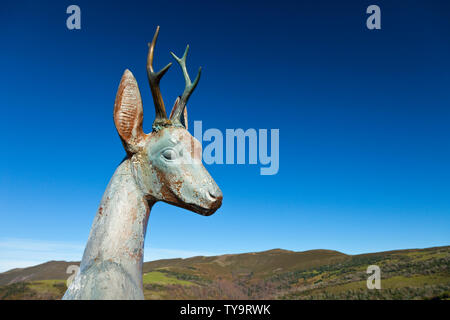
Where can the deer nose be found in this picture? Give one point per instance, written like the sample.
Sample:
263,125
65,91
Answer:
215,200
216,195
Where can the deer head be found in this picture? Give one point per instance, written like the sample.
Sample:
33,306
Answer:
166,163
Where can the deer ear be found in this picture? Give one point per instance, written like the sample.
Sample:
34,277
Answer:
184,117
128,113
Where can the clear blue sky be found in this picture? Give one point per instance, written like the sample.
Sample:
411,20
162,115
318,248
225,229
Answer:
363,118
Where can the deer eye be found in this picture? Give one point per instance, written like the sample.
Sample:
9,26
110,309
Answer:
169,154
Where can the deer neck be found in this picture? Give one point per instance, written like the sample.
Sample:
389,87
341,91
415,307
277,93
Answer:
119,228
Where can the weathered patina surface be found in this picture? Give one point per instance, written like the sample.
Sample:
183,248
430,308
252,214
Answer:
164,165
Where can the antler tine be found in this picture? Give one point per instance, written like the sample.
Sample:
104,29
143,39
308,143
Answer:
189,88
154,79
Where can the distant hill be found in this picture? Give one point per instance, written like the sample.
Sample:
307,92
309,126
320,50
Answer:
273,274
46,271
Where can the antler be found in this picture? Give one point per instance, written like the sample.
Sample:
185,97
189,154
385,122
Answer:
153,79
189,88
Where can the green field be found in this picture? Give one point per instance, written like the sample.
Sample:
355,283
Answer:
156,277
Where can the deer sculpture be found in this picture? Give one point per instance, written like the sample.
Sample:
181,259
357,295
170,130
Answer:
160,166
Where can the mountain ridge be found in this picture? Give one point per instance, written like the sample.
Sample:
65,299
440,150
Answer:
54,264
270,274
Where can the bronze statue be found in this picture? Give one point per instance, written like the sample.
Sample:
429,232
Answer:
164,165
